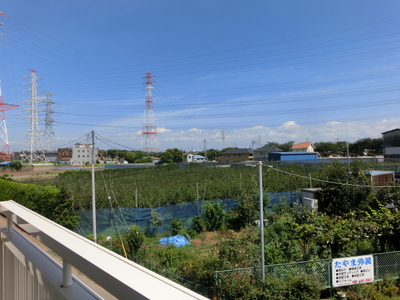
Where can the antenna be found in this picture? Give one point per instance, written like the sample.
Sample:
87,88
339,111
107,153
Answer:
149,130
223,139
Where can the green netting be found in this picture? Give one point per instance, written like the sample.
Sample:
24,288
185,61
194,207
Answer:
117,219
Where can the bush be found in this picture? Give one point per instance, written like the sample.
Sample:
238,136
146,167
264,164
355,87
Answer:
176,226
199,224
134,238
214,216
244,213
155,222
303,287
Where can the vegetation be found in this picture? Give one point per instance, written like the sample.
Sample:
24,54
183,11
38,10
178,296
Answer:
14,165
355,219
130,156
51,202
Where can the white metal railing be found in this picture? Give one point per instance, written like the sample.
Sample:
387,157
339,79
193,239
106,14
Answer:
27,272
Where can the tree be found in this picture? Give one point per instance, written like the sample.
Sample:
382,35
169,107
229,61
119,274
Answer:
244,213
366,146
285,147
16,165
346,188
171,156
326,149
390,196
212,154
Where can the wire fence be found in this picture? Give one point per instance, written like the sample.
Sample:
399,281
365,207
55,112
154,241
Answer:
385,265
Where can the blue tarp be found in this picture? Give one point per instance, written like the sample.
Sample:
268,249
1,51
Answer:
176,241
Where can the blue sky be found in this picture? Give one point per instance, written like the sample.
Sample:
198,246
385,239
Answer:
262,71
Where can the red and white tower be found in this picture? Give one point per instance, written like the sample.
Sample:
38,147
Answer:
149,131
5,153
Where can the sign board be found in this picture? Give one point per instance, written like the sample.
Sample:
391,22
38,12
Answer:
352,270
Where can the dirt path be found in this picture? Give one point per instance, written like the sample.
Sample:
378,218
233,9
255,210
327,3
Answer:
37,172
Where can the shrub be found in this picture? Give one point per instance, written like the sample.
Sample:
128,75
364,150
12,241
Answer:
176,226
303,287
155,222
214,216
134,238
199,224
244,213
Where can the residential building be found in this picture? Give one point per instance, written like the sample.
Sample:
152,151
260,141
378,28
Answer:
262,153
391,145
80,155
303,147
195,158
50,156
236,155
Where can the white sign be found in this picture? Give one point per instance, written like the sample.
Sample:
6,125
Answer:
352,270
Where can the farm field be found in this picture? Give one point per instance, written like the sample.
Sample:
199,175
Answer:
356,222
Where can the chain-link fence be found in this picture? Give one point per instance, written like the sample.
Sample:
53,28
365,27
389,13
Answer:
385,264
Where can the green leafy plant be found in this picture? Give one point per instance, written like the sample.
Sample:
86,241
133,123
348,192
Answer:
176,226
133,238
155,222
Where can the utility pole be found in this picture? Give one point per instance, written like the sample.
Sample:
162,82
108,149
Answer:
260,186
205,149
93,195
223,139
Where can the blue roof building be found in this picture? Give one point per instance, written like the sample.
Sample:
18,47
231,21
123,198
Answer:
293,156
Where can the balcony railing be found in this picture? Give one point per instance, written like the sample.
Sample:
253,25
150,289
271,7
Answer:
28,272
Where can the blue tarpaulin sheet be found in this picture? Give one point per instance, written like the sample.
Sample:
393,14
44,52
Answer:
176,240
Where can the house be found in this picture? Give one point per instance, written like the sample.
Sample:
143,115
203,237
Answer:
195,158
80,155
293,156
236,155
262,153
391,145
50,156
303,147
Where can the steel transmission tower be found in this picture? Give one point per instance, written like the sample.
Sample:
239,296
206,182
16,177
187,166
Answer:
48,135
5,153
5,148
149,131
33,150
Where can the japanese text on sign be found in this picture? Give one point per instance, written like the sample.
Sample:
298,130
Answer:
352,270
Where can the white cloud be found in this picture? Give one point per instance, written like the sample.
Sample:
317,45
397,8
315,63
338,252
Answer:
333,123
162,130
195,130
289,124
